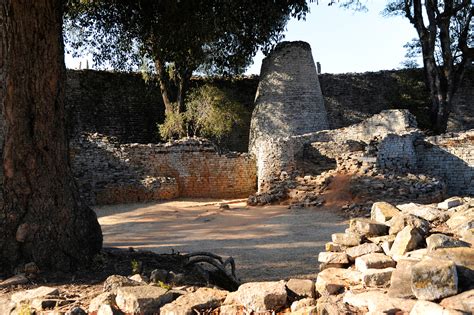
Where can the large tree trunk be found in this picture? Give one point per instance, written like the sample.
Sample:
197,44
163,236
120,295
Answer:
42,219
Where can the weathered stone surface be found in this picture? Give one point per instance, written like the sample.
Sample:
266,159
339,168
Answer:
333,247
17,279
424,307
108,309
378,302
302,287
114,282
307,310
333,258
363,249
374,261
427,212
106,298
139,278
158,275
460,218
399,222
323,266
434,279
302,304
463,257
383,211
401,280
262,296
463,302
204,299
415,255
142,299
450,203
333,305
334,280
380,239
346,239
29,295
377,277
435,241
368,227
6,305
231,309
407,239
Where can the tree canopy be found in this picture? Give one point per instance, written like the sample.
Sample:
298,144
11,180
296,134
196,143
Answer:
445,40
174,38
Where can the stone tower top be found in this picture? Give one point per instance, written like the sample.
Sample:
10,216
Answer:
289,101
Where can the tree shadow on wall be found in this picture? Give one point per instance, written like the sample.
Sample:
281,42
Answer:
105,175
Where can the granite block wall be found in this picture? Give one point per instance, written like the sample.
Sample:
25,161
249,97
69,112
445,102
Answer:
109,172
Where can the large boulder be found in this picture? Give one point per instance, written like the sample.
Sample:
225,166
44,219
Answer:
261,296
145,299
434,279
203,299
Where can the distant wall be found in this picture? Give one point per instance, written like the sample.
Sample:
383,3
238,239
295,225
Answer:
124,106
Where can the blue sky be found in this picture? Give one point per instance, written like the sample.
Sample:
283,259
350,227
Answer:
343,40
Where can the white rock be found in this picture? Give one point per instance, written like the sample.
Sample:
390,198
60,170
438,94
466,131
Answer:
450,203
333,258
407,240
374,261
424,308
262,296
142,299
29,295
383,211
334,280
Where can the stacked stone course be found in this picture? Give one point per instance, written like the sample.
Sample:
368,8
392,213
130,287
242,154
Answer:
109,172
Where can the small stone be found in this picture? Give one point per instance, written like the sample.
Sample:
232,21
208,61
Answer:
383,211
399,222
435,241
31,268
408,239
333,258
28,295
377,277
401,280
368,227
303,303
107,309
426,307
361,250
138,278
197,302
333,247
426,212
463,257
159,275
378,302
323,266
450,203
373,261
303,288
142,299
434,279
224,206
15,280
112,283
106,298
346,239
262,296
334,280
463,302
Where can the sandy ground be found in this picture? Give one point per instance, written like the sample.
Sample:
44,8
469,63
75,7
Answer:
267,243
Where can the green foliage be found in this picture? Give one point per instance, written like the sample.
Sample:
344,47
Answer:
136,266
173,126
210,112
163,285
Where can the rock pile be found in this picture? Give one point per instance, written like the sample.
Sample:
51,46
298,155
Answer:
404,259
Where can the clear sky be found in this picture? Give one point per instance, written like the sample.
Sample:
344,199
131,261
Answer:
343,40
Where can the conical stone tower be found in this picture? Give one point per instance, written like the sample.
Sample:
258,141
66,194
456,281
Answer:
289,102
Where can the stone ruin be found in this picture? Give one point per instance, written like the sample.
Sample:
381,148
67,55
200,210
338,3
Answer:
289,101
385,154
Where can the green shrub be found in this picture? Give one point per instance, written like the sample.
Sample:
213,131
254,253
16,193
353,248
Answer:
173,126
210,112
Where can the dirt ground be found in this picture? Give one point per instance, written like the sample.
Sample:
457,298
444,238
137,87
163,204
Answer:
267,243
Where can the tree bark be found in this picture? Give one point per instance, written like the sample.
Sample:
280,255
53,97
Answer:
42,220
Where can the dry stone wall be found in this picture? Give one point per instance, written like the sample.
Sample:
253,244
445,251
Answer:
109,172
289,101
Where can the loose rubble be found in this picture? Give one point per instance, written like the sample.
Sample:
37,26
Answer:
400,261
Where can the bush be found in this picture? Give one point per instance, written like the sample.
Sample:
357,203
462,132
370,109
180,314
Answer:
173,126
210,113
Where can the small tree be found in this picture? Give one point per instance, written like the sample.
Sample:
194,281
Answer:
445,40
210,112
